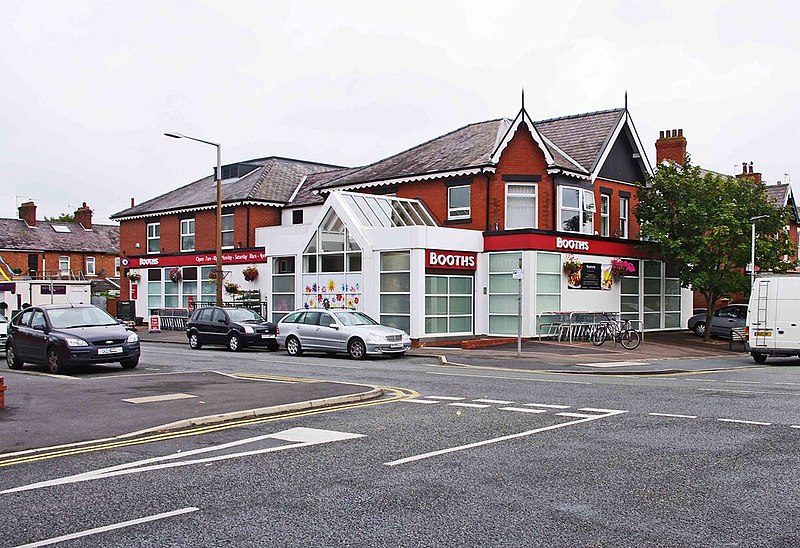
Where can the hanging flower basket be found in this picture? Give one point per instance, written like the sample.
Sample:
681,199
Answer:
572,265
212,275
175,275
134,276
250,273
621,268
232,288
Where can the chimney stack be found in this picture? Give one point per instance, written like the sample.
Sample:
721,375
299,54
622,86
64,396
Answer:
27,212
132,202
83,215
748,173
671,145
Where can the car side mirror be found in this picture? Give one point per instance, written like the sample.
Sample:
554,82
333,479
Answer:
334,326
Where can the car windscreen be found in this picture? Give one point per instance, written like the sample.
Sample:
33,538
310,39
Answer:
243,315
354,318
64,318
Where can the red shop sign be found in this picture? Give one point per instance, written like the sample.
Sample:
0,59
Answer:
455,260
203,259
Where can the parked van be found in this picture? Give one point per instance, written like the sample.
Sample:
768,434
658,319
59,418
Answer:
773,317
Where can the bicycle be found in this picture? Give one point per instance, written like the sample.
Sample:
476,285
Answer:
621,332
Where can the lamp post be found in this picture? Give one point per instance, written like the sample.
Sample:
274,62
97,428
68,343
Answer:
753,247
218,177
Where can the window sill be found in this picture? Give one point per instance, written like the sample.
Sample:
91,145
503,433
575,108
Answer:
458,221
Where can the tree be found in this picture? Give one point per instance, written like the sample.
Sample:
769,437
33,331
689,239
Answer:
701,221
63,218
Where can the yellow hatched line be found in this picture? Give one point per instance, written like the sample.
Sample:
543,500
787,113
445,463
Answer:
398,394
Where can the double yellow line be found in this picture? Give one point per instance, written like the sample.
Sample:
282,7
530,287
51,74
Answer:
394,394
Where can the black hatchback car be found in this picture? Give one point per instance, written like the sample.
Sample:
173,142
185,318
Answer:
63,335
235,328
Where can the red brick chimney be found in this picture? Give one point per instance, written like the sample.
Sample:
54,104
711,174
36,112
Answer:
747,173
671,145
83,215
27,212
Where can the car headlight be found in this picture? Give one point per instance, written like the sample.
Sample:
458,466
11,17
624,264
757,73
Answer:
248,329
76,342
133,337
374,337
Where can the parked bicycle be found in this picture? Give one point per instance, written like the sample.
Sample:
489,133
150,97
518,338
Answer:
618,331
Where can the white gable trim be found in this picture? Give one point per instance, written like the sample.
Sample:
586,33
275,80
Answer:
297,189
636,142
512,130
192,209
564,154
400,180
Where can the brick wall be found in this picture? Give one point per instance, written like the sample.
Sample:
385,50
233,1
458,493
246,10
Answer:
104,262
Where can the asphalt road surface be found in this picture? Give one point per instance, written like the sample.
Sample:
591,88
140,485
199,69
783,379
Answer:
469,457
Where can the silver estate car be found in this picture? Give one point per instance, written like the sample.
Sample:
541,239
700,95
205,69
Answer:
339,331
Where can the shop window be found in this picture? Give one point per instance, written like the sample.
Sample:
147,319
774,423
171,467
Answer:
548,287
448,304
90,266
652,295
520,206
187,235
630,305
189,287
283,287
208,286
227,231
605,218
153,237
576,210
395,290
154,289
624,212
503,293
171,290
458,202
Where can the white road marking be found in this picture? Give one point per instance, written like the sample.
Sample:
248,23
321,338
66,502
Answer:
789,383
547,405
576,415
472,405
673,415
596,410
420,401
702,380
746,422
523,409
449,398
495,440
163,397
497,402
305,437
746,382
794,426
505,378
120,525
613,364
744,391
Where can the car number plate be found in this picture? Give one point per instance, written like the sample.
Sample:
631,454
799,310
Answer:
397,345
112,350
763,333
267,336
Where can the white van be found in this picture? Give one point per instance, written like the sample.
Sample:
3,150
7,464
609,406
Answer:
773,317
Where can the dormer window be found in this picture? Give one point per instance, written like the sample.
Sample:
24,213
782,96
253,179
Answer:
576,211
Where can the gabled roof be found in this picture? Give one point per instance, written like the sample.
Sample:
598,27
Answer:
572,143
272,182
16,235
781,196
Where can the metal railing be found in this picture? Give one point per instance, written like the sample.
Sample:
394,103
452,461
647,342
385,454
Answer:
573,326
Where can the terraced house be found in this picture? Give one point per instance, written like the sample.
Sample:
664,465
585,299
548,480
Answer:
434,239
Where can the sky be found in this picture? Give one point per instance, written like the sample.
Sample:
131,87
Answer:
89,88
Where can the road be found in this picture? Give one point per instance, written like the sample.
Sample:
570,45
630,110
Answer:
476,457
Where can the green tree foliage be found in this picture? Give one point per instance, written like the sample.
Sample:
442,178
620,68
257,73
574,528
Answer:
63,218
702,222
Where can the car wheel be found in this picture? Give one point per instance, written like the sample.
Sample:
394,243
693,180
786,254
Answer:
293,346
234,343
129,364
12,359
54,364
699,329
194,341
356,349
759,358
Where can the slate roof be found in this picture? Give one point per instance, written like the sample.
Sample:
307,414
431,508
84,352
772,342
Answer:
779,194
582,137
15,234
273,181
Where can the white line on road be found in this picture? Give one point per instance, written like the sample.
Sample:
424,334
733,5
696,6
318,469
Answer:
420,401
505,378
121,525
701,380
613,364
746,422
496,402
547,405
789,383
746,391
449,398
596,410
674,415
746,382
576,415
472,405
794,426
523,409
495,440
162,397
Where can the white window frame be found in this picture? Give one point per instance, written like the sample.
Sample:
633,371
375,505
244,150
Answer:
230,231
154,235
605,215
583,210
62,260
187,223
91,270
624,213
535,205
459,212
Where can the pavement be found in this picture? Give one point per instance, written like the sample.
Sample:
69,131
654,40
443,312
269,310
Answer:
45,410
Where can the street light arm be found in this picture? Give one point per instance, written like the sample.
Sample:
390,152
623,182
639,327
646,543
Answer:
182,136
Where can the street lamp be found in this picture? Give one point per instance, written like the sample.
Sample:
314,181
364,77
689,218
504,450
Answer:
753,247
218,177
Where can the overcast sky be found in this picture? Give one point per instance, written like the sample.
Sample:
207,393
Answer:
89,88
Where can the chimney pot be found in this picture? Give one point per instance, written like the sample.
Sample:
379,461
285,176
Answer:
661,134
669,147
680,132
132,204
744,167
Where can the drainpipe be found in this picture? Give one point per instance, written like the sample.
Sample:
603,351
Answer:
486,174
247,228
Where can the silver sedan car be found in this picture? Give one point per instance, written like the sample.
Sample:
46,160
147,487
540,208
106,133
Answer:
339,331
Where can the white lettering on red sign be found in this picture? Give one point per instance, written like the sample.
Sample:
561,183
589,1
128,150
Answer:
148,262
451,260
577,245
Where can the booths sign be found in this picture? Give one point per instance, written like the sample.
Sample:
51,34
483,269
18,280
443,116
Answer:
232,257
456,260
